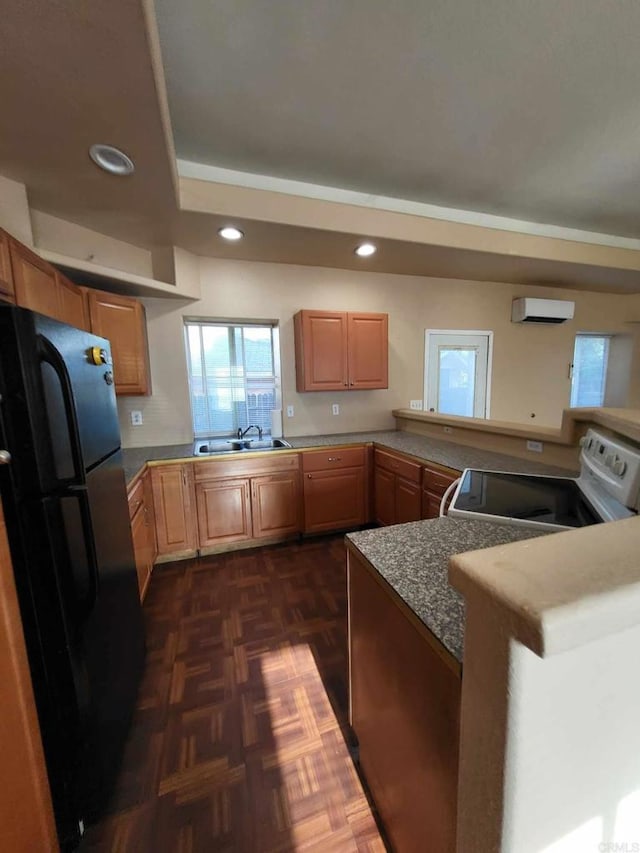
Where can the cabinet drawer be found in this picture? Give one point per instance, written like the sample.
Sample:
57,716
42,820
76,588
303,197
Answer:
398,465
136,498
326,460
437,482
245,467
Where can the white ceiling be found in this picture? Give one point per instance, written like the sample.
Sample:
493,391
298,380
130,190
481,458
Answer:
522,108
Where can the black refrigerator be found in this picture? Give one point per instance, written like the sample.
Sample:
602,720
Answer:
64,498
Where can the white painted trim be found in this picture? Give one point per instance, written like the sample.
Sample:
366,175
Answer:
488,334
231,177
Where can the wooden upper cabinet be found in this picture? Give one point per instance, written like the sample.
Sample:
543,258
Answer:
340,351
321,351
368,350
72,304
121,320
34,281
7,290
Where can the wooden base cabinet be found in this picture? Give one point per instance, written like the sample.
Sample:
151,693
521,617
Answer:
174,506
143,531
397,488
334,489
247,499
405,709
435,482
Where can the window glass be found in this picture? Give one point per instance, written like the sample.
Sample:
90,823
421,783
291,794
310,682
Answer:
456,387
588,378
232,377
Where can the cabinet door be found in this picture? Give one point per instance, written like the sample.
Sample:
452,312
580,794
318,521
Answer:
384,496
408,501
368,351
275,505
224,511
334,500
430,505
34,281
6,278
173,504
72,304
140,548
321,351
150,516
121,320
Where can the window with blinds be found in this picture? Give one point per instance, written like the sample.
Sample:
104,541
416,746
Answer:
232,375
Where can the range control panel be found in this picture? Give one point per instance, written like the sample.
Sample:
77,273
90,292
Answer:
612,465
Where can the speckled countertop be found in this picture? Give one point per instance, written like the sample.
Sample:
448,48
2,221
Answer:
446,453
413,559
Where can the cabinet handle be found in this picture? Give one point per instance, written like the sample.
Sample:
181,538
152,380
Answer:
334,459
184,478
308,476
352,383
5,457
346,384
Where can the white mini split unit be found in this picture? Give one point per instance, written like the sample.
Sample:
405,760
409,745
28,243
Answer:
527,310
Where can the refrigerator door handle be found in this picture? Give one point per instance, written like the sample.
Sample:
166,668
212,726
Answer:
49,354
82,553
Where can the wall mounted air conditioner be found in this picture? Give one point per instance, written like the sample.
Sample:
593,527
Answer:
526,310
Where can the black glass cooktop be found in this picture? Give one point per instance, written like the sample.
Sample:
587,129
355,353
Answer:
548,500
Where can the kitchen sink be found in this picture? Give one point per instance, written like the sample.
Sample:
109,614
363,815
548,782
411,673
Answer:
209,447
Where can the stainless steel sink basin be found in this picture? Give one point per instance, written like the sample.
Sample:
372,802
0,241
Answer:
210,447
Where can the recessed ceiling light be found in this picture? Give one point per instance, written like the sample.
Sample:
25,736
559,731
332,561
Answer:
230,233
366,249
111,159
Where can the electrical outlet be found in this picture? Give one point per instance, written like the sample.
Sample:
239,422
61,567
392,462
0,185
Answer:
448,430
335,409
415,404
536,446
136,418
289,411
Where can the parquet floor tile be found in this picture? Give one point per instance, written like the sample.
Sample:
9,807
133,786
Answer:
238,741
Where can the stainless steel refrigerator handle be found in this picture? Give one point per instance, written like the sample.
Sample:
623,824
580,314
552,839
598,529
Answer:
5,457
51,356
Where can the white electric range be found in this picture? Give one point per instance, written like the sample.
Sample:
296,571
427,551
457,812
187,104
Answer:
607,489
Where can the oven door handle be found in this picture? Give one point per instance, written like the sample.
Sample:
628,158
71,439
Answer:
445,497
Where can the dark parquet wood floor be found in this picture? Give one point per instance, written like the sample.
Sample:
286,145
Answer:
236,743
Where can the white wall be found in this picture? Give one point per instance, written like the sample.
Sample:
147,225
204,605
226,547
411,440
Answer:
530,372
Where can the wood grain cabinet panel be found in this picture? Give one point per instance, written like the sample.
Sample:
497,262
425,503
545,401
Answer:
435,482
405,711
341,351
7,290
275,505
397,488
34,281
139,535
26,813
72,304
150,517
368,351
173,503
121,320
224,511
334,485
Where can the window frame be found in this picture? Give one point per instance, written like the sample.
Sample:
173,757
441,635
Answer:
608,337
230,324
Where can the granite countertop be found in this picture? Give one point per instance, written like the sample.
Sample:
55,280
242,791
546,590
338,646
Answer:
413,559
428,449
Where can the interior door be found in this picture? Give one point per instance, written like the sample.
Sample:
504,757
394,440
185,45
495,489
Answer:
457,370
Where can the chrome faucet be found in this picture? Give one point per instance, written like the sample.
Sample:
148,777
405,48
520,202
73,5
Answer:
242,433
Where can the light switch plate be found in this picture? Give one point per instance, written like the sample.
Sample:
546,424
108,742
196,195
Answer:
136,418
415,404
289,411
335,409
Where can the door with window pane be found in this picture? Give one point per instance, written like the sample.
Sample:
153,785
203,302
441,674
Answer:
457,368
589,370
